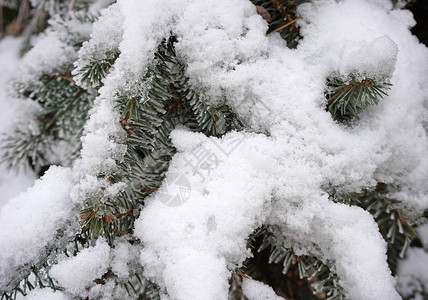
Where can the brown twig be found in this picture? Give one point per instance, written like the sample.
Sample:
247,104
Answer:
124,233
73,4
148,190
87,214
68,78
128,212
286,25
243,275
124,120
347,88
173,106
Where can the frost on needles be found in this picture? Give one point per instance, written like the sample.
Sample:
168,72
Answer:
293,137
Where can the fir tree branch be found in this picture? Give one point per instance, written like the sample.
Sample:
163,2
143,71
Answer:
345,100
397,230
92,73
316,273
283,18
285,25
65,108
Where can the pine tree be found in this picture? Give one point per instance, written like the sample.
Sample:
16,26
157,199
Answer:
130,113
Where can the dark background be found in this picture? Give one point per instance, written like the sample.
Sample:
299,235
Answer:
420,12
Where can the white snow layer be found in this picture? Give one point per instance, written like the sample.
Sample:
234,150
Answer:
242,193
45,294
279,173
77,274
256,290
30,221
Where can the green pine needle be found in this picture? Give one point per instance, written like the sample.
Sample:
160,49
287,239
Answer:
345,100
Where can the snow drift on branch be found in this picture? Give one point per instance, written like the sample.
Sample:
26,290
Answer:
282,172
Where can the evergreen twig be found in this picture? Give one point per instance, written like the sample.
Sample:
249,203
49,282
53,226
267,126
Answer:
345,100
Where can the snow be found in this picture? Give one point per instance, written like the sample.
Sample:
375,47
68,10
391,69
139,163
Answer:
423,233
102,146
125,259
376,60
30,221
49,55
255,290
77,274
45,294
213,224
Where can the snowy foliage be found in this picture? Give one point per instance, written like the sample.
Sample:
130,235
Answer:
30,223
45,91
280,171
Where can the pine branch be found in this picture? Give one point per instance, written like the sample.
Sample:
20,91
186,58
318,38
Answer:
345,100
139,287
65,111
212,121
37,276
323,282
92,73
235,283
283,15
24,148
397,230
